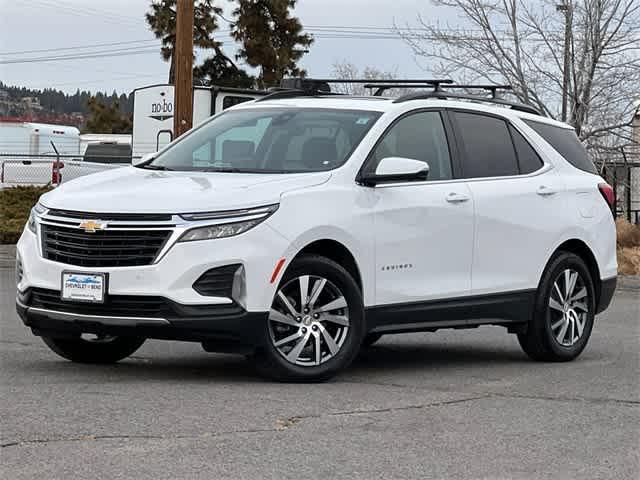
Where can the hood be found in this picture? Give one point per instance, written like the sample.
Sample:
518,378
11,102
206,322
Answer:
136,190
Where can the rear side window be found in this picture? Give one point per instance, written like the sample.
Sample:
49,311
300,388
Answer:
566,143
488,146
528,158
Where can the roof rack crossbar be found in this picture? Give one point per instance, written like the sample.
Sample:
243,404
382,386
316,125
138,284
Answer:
446,95
430,81
382,87
489,87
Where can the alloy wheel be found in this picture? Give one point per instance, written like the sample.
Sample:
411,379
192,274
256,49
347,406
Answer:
568,307
309,320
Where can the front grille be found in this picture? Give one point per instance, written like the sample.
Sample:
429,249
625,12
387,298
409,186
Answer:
114,305
107,248
134,217
127,306
217,282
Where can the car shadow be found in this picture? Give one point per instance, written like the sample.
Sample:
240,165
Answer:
384,358
208,367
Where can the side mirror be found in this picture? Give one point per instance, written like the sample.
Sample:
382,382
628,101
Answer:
142,160
397,169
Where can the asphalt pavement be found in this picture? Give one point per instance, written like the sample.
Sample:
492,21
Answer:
451,404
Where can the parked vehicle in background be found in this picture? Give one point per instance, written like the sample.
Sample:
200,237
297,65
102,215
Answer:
39,154
153,112
27,151
87,139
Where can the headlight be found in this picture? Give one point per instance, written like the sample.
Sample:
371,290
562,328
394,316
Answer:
31,223
37,210
246,220
219,231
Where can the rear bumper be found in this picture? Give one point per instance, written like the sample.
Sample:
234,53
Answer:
219,330
607,289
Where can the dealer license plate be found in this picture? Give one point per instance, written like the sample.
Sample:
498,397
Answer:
83,287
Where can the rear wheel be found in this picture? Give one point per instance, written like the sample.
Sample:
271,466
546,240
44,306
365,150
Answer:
315,324
94,348
564,311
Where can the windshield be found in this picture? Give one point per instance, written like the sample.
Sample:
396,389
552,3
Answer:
270,140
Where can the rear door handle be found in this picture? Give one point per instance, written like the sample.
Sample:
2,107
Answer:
455,197
544,190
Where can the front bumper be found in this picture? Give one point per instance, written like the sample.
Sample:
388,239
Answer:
174,275
220,328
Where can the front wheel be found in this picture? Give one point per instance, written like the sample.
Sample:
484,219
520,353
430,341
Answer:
94,348
316,322
564,312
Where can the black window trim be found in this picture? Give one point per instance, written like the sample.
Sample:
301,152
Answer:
511,127
451,142
546,166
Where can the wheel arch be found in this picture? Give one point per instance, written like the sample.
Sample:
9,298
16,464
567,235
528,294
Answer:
336,251
581,249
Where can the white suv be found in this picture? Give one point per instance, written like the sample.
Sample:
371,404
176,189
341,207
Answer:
299,227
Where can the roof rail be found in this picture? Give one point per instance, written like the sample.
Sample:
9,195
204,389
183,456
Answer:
311,87
476,98
491,88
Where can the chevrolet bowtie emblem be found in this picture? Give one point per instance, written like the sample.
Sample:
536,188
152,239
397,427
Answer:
91,226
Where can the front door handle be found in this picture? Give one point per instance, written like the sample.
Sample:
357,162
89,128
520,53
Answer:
455,197
545,190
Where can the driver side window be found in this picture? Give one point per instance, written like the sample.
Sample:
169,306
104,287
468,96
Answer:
419,136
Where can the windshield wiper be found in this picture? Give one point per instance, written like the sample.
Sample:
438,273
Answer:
150,166
230,170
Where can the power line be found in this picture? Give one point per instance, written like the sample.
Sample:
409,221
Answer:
79,47
108,17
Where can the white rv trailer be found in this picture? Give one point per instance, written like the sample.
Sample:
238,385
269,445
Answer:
153,110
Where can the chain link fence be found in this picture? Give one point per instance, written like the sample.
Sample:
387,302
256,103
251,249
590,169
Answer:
51,169
622,172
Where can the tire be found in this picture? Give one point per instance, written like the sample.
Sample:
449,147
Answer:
337,331
103,350
559,330
371,338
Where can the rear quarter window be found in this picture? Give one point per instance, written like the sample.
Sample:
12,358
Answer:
566,143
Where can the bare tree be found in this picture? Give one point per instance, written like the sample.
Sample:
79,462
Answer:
522,42
349,71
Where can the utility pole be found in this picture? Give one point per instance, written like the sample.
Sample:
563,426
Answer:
183,93
567,8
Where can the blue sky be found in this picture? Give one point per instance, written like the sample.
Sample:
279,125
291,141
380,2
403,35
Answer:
60,24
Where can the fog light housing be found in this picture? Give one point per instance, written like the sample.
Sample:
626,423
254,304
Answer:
239,288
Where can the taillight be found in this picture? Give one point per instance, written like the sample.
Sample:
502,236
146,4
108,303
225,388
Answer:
56,175
609,196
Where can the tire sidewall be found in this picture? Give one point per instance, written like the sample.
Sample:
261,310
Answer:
322,267
557,266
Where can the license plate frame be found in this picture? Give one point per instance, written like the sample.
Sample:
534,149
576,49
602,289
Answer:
83,276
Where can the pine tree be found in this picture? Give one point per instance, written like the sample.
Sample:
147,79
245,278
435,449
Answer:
162,21
219,71
271,39
106,118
